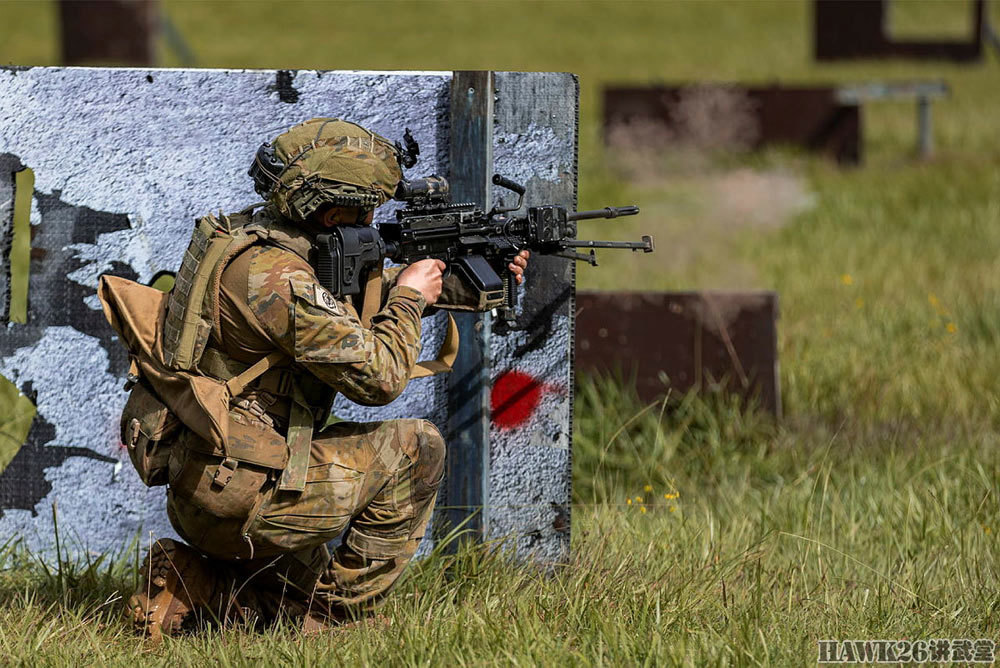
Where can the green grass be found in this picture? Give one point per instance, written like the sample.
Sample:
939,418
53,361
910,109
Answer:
870,512
766,547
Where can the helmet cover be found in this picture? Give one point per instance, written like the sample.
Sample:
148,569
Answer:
326,161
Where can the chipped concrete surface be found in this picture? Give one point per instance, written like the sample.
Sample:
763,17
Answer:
127,158
164,146
100,505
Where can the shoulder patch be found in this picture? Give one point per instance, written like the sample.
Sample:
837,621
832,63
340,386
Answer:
327,300
316,295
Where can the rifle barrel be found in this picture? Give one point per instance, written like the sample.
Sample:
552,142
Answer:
607,212
645,245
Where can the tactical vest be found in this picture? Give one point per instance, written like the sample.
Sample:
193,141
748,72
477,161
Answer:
177,378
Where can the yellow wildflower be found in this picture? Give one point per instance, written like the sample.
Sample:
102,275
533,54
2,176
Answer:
642,509
847,279
647,488
628,501
673,508
951,327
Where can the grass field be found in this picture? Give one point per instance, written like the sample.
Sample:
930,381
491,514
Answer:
702,534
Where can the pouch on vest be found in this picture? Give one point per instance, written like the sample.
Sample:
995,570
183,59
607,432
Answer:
148,429
161,396
193,306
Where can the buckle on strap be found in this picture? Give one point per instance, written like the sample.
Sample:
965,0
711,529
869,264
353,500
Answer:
225,472
284,384
255,409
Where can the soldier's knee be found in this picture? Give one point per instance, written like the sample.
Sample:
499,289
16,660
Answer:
428,452
432,450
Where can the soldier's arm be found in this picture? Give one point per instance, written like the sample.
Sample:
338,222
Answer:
324,335
456,295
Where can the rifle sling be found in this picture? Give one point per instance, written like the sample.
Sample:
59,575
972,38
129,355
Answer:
445,357
373,297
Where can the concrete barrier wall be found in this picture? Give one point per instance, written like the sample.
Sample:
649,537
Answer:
535,144
125,159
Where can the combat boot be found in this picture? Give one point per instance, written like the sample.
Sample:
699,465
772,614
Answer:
176,581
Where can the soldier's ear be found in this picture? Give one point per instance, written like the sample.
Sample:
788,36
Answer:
329,216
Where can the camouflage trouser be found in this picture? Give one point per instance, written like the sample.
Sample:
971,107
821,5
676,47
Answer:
374,483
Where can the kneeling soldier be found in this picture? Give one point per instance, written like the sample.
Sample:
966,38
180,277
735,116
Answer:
258,509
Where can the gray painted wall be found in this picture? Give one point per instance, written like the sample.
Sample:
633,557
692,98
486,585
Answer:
125,159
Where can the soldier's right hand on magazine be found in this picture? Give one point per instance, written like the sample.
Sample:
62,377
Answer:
425,276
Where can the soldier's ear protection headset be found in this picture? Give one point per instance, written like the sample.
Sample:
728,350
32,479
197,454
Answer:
267,169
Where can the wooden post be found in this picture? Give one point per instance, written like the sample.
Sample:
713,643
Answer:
471,160
925,136
121,32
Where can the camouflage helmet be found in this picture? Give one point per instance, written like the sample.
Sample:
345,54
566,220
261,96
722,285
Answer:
326,161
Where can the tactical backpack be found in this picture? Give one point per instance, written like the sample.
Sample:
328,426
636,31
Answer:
166,336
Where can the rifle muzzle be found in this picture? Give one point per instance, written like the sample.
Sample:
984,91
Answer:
607,212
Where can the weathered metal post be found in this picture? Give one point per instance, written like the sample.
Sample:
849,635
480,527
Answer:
471,167
925,136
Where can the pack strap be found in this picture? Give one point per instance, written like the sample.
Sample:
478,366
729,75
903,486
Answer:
219,365
300,432
445,357
238,383
373,297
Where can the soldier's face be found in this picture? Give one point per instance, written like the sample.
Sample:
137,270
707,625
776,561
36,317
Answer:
343,215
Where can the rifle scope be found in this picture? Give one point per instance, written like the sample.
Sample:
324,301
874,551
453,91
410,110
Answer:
432,188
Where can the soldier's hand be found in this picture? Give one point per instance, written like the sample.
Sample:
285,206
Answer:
426,276
519,264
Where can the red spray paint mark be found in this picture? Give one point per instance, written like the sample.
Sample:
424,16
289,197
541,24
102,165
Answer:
514,398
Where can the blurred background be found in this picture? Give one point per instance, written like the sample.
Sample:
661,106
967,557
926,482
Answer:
884,261
870,206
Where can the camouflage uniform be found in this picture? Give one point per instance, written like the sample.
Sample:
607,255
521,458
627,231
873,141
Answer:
374,482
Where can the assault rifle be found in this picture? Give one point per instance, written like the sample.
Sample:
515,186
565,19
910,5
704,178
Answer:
477,246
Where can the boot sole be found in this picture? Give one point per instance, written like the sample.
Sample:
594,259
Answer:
156,608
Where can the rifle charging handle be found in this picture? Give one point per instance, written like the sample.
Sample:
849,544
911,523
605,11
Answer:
504,182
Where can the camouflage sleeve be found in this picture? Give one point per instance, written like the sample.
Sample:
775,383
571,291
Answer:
324,334
455,294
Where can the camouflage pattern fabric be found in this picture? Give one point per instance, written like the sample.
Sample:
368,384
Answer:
376,480
325,335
